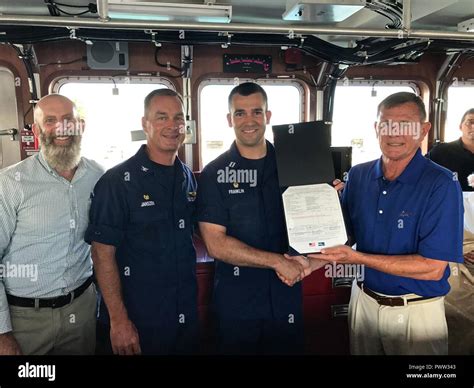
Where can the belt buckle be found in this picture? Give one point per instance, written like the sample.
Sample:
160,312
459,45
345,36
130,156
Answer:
383,300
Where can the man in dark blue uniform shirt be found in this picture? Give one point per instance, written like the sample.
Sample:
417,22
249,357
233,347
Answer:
141,221
405,214
241,220
458,155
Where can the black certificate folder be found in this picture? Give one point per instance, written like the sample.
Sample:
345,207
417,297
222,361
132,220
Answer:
313,215
303,153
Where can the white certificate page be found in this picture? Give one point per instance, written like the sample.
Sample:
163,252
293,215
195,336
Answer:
313,218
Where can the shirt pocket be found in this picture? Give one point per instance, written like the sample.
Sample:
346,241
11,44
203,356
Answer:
151,226
244,221
148,215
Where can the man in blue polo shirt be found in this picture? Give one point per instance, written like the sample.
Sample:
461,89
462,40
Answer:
241,220
406,219
141,234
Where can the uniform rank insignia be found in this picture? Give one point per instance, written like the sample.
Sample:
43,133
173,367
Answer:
191,196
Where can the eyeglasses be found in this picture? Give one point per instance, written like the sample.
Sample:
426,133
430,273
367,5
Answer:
468,123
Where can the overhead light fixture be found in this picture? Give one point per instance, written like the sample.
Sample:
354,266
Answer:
157,11
466,26
321,11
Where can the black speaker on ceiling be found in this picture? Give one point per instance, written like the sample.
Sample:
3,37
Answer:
107,55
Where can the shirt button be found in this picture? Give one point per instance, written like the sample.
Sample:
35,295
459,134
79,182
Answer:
380,211
384,192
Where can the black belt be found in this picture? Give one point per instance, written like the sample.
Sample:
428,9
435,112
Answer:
54,303
389,300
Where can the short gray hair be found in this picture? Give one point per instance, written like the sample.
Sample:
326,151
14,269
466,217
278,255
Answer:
401,98
160,93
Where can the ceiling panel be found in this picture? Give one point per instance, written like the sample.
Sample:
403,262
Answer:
436,14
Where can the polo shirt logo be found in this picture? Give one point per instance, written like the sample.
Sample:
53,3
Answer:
405,213
144,169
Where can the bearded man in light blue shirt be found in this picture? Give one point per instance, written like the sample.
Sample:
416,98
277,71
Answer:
47,299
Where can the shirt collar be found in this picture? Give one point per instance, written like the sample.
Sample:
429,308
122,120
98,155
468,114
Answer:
147,165
410,174
235,153
461,145
378,170
44,163
143,159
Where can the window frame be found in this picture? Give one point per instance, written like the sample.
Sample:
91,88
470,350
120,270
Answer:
301,86
111,81
417,87
122,79
380,82
456,83
10,151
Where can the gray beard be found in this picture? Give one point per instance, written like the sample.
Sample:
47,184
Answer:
61,158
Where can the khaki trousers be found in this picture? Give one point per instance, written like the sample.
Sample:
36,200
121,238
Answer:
419,328
66,330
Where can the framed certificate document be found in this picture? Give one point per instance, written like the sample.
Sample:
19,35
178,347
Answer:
313,213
